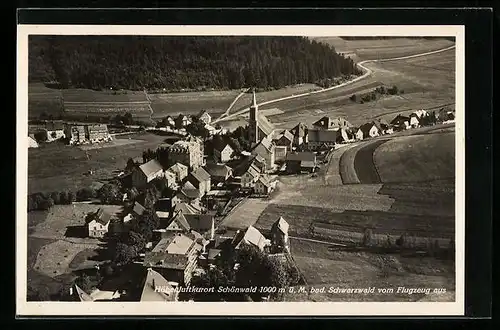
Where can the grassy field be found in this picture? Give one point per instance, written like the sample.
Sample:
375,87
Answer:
376,49
326,267
54,166
214,102
416,158
245,214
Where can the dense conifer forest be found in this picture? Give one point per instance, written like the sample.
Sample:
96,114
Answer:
182,63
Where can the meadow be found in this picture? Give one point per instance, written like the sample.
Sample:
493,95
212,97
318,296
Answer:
55,166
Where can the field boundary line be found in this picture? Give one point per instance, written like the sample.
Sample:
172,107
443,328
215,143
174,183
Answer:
316,241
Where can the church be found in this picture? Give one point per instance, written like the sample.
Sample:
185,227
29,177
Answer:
259,125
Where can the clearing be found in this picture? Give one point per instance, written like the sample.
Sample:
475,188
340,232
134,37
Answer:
325,266
416,158
55,166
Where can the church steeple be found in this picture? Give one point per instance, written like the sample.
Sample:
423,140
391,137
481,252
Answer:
254,123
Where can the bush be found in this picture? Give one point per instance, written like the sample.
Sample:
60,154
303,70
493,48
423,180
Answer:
71,197
56,197
85,194
46,204
110,194
367,237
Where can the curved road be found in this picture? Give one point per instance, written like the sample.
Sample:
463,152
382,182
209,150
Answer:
361,64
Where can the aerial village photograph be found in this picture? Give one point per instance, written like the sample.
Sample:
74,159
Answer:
241,168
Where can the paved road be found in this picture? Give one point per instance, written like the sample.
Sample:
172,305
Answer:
367,73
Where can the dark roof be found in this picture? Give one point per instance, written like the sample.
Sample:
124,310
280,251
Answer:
399,118
190,191
54,125
319,135
138,208
199,222
200,175
301,156
299,130
220,170
281,225
181,220
328,123
365,128
101,216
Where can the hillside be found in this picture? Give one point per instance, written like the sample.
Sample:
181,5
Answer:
180,63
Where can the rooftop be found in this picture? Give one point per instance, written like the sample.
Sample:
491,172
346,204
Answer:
153,280
301,156
220,170
151,167
200,174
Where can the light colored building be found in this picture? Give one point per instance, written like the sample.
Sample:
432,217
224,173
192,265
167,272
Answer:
263,186
188,153
145,173
204,117
266,149
98,224
251,176
55,130
250,237
179,170
201,180
174,257
401,122
157,288
32,142
223,153
279,233
327,123
98,133
76,134
367,130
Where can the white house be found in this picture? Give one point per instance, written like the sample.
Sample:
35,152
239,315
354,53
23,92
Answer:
223,153
204,117
98,224
251,176
367,130
32,143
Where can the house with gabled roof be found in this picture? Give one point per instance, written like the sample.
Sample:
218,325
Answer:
320,138
401,122
204,117
299,162
157,288
327,123
174,257
223,152
145,173
189,194
368,130
138,209
266,149
251,176
299,134
263,185
55,130
179,170
252,237
279,234
98,223
201,180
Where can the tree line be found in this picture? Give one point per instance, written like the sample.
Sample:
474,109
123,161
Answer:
178,63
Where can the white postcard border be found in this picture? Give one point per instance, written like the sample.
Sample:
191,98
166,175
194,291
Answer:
24,308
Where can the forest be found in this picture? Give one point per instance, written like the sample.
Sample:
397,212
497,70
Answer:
182,63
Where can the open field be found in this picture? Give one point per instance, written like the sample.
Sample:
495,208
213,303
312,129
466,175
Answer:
114,143
55,167
376,49
416,158
79,95
427,82
214,102
338,269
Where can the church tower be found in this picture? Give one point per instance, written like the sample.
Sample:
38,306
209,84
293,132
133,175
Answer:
253,122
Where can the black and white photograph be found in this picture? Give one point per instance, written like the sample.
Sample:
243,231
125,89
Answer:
242,164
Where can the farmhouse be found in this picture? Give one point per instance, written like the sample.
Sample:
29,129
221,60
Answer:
345,135
187,153
300,162
157,288
319,138
251,237
263,186
32,143
174,257
279,234
299,134
223,153
265,149
368,130
414,120
55,130
145,173
200,180
182,121
327,123
251,176
283,145
259,125
218,172
98,223
401,123
204,117
179,170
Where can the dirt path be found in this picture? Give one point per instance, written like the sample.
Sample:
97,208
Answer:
226,113
315,241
